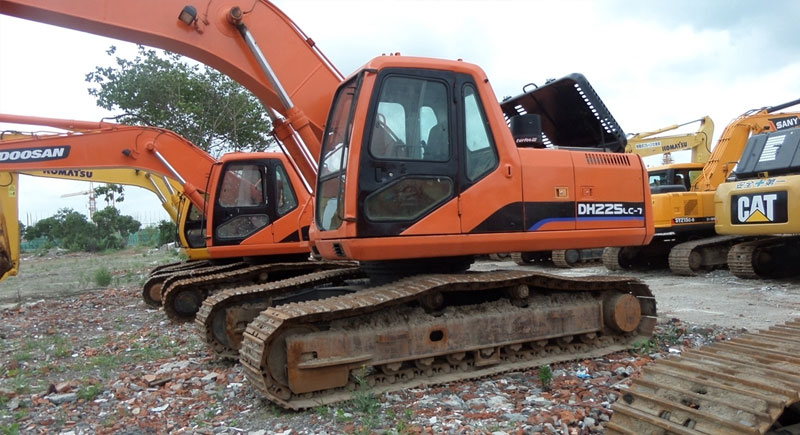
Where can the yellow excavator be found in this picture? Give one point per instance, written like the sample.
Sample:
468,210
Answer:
168,191
649,143
683,210
662,179
760,200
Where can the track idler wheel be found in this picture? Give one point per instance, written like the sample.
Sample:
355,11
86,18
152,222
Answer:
622,312
151,293
186,304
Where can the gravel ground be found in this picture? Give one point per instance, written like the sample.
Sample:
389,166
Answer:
101,362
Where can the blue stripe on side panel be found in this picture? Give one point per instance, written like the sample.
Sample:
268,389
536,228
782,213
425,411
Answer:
539,224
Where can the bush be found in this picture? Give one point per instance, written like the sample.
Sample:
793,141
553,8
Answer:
102,277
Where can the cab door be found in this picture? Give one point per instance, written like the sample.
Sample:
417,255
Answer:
241,208
490,199
408,181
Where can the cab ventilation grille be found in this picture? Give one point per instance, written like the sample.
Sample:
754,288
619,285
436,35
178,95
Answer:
608,159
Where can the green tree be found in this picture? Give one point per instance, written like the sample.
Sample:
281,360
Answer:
68,229
199,103
112,193
113,228
167,232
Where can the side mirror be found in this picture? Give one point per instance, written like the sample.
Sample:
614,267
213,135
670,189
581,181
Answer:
527,130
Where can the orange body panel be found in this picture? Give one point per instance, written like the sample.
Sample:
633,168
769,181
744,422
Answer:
528,176
406,247
548,176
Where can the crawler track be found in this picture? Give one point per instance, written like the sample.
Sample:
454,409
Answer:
708,253
408,333
223,317
152,288
749,385
179,266
569,258
182,298
769,257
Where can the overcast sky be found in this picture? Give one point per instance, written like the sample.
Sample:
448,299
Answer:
652,63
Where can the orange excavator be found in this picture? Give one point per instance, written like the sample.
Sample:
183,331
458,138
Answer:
418,171
297,106
258,200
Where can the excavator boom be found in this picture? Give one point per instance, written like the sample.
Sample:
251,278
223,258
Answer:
307,79
149,149
650,143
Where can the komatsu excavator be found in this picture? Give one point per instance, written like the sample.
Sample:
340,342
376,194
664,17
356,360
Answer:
9,182
258,200
760,200
684,218
417,172
666,178
652,143
168,190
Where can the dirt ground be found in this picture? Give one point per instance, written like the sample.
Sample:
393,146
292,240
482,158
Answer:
76,358
715,298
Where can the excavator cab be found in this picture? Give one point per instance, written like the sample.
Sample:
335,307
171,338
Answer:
251,194
408,150
418,162
676,177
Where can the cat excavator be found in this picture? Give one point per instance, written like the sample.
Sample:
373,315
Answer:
759,201
416,172
684,217
661,179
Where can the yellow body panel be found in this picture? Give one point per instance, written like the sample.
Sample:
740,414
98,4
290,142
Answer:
760,218
9,226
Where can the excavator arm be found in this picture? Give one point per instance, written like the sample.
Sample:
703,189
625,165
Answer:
287,72
168,190
152,150
650,144
734,138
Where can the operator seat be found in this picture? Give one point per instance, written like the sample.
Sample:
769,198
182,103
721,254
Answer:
438,144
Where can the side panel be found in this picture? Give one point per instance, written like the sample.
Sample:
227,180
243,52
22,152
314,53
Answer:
763,206
683,211
609,190
548,189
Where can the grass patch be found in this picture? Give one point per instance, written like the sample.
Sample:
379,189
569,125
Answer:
10,429
545,377
89,392
102,277
23,356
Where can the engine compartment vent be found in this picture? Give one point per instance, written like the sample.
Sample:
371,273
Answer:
608,159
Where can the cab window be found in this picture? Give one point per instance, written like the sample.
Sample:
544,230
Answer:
481,154
287,200
412,121
242,186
